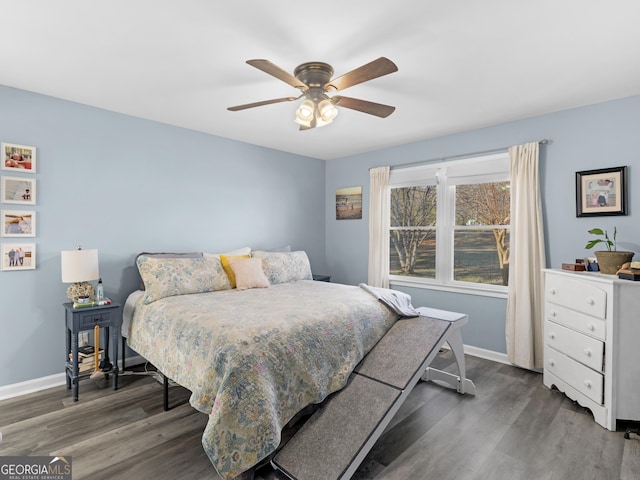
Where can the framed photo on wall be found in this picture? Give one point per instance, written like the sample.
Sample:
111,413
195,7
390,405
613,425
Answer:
18,190
19,158
601,192
18,256
349,203
18,223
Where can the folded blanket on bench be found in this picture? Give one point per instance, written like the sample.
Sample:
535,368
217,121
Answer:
399,302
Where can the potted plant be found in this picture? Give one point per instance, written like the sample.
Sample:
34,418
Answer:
609,260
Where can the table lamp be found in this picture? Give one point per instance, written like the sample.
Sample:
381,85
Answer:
79,267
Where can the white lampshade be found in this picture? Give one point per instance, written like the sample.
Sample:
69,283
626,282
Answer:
79,265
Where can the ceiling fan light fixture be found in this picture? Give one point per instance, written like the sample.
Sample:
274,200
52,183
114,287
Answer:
327,110
304,113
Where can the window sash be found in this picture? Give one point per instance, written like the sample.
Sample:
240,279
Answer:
446,175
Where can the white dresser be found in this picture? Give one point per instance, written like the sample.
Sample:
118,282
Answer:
592,342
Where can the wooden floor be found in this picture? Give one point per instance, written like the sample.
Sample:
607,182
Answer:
514,428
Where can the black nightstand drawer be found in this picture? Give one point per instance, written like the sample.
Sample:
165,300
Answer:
98,318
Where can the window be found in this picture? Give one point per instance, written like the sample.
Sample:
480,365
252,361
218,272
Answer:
449,224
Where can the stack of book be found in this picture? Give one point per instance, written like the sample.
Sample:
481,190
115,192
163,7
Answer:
92,303
629,273
86,359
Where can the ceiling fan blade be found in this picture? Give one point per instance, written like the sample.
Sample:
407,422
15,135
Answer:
259,104
377,68
274,70
372,108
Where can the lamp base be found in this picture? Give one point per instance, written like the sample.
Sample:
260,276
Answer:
80,289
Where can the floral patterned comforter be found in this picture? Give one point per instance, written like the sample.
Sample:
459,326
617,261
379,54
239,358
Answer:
254,358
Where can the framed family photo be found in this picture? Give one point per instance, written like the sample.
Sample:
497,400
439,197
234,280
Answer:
19,158
601,192
18,223
18,190
18,256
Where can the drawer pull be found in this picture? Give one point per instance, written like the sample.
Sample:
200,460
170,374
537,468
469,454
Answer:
587,352
96,319
552,291
591,327
552,362
587,383
591,301
552,335
554,314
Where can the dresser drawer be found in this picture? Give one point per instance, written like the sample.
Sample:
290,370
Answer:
594,327
588,382
577,295
97,318
582,348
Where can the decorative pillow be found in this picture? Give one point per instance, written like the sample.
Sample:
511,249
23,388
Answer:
166,277
249,273
225,260
169,255
282,267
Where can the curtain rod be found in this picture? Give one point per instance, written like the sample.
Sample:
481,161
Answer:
544,141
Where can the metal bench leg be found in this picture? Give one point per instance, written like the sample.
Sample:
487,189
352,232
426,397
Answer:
460,382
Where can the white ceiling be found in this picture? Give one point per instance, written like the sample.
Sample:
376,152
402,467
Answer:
462,64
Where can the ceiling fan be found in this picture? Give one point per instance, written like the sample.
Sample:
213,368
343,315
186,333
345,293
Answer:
313,79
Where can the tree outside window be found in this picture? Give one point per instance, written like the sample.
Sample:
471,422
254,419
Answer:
481,237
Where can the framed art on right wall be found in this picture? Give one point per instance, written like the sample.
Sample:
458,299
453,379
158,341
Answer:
601,192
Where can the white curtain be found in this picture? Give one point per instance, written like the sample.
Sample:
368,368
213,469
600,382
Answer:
527,258
379,211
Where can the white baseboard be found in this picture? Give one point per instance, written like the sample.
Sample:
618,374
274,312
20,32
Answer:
487,354
56,380
497,357
30,386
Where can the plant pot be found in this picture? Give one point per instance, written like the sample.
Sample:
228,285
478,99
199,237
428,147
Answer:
610,262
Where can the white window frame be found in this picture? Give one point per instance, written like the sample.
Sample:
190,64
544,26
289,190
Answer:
446,175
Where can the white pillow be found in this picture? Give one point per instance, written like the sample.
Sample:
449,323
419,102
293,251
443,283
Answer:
233,253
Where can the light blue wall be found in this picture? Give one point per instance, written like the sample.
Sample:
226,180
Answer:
124,185
598,136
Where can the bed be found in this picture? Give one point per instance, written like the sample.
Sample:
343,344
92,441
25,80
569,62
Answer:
253,348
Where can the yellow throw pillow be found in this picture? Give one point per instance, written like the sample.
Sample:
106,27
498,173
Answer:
225,259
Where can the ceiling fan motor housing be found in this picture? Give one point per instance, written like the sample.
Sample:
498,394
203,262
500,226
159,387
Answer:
314,74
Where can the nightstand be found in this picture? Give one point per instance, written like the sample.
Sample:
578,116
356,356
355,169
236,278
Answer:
109,318
322,278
